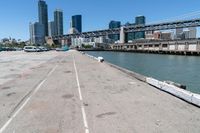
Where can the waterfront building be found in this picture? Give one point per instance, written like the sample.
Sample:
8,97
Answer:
113,25
43,15
80,41
149,35
101,39
58,20
51,28
157,35
37,33
76,23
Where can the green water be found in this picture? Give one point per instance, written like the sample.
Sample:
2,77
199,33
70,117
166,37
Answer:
181,69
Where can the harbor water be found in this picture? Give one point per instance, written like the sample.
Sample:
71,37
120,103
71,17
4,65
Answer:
180,69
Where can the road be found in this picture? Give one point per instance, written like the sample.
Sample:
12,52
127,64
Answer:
71,93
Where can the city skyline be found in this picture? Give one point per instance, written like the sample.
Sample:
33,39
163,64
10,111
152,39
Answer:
98,19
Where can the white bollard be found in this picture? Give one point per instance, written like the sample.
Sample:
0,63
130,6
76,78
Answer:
100,59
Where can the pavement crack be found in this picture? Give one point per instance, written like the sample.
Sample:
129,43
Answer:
105,114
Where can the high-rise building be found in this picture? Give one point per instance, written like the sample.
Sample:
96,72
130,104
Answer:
192,32
129,37
51,28
43,15
37,35
58,20
140,20
140,35
77,23
113,25
179,33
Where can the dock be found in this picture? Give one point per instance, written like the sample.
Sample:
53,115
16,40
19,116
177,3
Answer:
68,92
175,47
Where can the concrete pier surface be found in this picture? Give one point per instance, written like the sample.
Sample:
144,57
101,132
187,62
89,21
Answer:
68,92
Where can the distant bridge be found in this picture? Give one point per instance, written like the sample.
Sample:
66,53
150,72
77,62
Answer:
134,28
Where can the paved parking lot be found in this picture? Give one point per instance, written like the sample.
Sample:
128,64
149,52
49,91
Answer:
67,92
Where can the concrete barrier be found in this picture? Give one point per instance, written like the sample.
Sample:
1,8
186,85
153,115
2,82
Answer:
100,59
178,92
196,99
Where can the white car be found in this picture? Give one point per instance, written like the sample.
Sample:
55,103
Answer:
30,49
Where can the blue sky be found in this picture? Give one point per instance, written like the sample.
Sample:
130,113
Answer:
16,14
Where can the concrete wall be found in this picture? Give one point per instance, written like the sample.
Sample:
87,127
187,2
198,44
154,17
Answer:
178,92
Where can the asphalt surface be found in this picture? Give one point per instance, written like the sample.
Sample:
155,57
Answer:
71,93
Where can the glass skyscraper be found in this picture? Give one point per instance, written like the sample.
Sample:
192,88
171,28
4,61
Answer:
51,28
37,35
58,21
112,25
140,20
43,15
77,23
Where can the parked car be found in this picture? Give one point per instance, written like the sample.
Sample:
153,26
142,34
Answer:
31,49
18,49
43,49
64,48
8,49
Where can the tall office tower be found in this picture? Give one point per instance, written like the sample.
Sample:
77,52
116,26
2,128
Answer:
140,20
77,23
51,29
113,25
37,35
43,15
58,19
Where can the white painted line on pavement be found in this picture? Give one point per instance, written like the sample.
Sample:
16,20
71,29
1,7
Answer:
77,79
81,98
26,101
